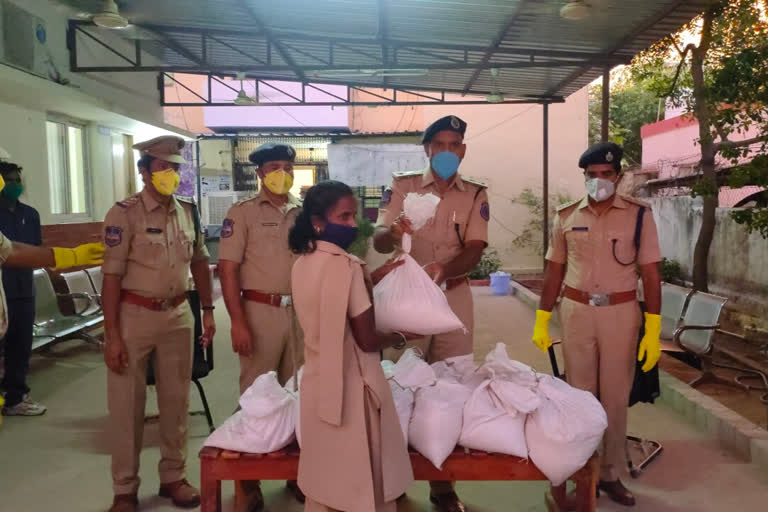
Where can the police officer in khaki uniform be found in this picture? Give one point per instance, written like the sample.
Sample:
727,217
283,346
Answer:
449,246
255,264
594,253
153,241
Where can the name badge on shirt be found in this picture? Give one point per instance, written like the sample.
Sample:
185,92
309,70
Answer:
154,230
271,224
580,229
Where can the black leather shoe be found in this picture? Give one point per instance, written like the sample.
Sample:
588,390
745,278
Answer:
448,502
292,486
617,492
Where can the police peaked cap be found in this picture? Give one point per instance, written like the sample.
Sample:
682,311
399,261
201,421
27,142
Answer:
450,123
271,151
602,153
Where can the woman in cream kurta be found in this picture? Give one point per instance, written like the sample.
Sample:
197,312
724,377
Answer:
353,456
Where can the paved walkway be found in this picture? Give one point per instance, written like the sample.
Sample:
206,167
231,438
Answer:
60,461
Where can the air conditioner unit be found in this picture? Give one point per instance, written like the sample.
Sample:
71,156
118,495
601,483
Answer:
24,40
217,204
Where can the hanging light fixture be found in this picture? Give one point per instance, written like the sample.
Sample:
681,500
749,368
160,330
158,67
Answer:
575,10
495,96
109,16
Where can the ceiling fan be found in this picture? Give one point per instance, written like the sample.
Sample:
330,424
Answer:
242,97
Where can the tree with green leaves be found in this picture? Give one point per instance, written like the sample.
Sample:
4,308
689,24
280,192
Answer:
633,104
721,80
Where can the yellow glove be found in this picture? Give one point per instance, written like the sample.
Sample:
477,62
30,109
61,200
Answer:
650,346
80,256
541,330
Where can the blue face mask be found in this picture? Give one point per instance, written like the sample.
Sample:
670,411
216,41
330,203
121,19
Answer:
339,234
445,164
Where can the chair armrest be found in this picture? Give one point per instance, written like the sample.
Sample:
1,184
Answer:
680,330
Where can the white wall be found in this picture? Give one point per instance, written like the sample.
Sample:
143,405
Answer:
107,103
738,261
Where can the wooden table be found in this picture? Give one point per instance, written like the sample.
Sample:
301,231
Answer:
463,465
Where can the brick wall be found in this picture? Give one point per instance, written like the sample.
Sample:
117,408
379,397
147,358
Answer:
71,235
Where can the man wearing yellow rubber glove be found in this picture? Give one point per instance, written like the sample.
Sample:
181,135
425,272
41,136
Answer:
598,245
20,255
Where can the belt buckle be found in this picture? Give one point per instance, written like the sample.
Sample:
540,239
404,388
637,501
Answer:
164,304
285,301
599,299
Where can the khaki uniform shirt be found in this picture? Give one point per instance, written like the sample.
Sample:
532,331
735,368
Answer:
150,246
462,214
584,242
255,235
6,247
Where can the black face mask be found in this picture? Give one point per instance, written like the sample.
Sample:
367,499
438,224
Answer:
339,234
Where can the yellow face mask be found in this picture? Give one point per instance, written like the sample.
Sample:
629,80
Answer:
166,182
278,182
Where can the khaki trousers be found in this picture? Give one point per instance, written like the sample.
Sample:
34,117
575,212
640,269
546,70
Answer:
277,345
167,337
600,351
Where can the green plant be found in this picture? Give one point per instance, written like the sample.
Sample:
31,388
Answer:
365,230
530,237
671,272
489,263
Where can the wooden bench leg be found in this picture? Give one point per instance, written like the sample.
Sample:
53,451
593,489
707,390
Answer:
210,492
240,496
586,486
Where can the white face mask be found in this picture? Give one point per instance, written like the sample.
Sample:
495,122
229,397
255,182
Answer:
600,189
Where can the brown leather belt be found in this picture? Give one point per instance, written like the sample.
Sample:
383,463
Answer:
454,282
597,299
271,299
150,303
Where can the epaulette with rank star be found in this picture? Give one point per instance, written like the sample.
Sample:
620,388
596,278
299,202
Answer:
407,174
634,200
565,206
186,199
128,201
474,181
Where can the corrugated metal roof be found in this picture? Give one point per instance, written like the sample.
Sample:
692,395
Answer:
457,41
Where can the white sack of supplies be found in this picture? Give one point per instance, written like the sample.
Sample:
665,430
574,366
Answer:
565,430
419,209
495,414
461,369
289,386
438,414
407,300
266,422
405,377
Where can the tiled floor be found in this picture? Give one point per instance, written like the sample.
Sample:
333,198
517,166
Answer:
60,461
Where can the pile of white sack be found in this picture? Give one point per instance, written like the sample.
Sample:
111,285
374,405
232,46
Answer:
502,406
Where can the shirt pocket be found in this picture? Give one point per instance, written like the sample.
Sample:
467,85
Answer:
150,249
187,245
578,242
622,247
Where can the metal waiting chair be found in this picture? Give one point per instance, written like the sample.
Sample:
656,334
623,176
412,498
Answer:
673,301
50,324
202,361
695,334
96,277
86,300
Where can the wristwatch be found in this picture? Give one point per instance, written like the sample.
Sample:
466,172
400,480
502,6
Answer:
400,345
208,308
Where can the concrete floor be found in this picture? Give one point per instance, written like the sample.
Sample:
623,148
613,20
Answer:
60,461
